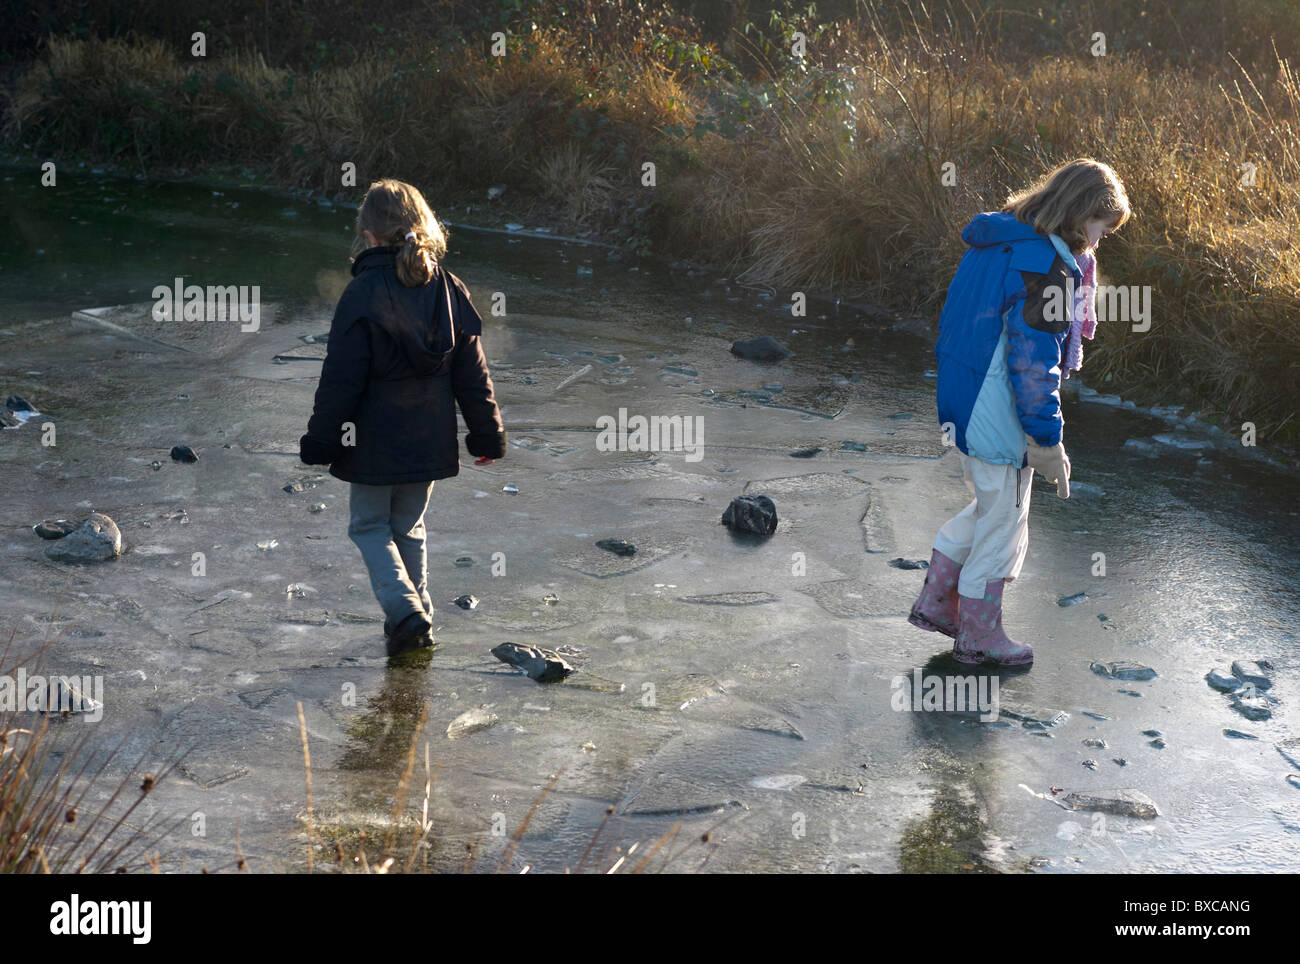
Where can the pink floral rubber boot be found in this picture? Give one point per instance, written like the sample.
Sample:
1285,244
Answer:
936,608
982,639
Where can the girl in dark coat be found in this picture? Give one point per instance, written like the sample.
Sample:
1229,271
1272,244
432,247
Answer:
404,351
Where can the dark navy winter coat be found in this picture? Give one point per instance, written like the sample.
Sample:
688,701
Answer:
1000,335
399,362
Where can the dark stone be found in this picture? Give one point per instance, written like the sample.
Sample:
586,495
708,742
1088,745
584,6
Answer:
54,530
1238,735
16,403
543,665
617,546
901,563
805,453
764,349
183,453
751,513
466,601
464,562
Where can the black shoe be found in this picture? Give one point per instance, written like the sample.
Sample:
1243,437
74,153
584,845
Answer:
409,634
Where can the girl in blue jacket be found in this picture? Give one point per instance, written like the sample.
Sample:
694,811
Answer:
1019,298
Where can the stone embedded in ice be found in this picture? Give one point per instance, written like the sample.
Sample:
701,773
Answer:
764,348
619,547
1120,802
183,453
1072,600
95,540
466,601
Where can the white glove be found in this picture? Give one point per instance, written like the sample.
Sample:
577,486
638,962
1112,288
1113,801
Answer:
1051,463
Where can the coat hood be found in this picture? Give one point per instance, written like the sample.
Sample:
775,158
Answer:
420,320
997,227
1032,251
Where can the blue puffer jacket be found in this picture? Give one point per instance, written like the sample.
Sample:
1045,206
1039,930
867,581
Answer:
1000,336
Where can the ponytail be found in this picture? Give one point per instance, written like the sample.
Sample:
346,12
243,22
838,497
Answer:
416,261
396,213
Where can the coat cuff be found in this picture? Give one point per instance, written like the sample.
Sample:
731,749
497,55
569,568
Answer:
487,446
313,451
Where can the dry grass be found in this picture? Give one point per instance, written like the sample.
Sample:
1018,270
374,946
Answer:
49,820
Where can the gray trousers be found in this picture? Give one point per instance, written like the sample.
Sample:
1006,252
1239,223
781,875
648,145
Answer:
387,525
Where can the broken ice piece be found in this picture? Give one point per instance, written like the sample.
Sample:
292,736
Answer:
1124,669
267,544
471,721
466,601
510,488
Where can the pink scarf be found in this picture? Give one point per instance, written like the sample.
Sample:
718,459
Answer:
1083,319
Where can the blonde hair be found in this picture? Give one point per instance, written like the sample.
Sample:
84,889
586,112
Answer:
1064,199
390,211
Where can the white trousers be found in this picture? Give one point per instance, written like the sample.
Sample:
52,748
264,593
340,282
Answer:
989,537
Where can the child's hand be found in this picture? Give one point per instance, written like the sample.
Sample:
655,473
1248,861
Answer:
484,461
1051,463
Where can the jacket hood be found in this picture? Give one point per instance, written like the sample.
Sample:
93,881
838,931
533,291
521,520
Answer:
996,227
419,319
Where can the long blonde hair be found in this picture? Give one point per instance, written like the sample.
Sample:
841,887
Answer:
1063,200
393,209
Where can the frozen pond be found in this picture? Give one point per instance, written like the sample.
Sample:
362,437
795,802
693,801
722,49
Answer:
744,689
